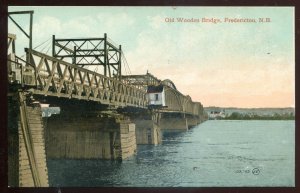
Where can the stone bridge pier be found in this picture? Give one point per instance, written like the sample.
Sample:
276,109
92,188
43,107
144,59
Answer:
173,122
82,133
147,126
193,120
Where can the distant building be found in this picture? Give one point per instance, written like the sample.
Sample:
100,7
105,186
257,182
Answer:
156,96
216,114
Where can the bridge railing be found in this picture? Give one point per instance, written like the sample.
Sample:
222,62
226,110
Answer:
54,77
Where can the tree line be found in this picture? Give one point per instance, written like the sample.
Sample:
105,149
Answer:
275,116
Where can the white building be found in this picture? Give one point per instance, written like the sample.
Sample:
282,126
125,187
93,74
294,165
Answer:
156,96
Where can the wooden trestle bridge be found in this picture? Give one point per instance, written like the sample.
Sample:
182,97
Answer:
104,114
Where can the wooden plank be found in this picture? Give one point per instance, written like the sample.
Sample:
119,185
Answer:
26,177
35,117
34,135
41,164
39,147
24,164
36,139
24,167
23,159
26,181
34,128
25,173
37,131
36,124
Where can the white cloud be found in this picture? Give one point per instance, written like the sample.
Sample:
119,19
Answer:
45,27
156,21
118,20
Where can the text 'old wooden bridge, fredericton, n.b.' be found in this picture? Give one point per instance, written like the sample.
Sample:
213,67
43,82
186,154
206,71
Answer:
59,108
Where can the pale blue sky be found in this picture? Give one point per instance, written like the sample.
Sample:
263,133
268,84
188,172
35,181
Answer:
240,64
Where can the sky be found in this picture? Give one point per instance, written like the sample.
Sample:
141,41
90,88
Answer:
226,64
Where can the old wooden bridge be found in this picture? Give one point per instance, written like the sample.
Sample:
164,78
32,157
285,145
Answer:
103,114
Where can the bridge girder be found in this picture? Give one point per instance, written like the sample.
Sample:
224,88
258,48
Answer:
175,101
49,76
169,83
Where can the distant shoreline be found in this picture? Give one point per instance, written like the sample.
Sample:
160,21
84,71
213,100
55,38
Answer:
250,113
248,108
261,118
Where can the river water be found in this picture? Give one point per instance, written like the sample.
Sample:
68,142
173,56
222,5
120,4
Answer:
213,154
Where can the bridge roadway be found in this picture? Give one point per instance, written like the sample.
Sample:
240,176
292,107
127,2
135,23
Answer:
101,116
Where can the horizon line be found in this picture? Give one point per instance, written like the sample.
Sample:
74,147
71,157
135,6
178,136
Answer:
249,107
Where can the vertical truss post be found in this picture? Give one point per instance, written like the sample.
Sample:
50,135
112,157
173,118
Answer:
105,54
30,30
74,58
53,45
119,65
13,45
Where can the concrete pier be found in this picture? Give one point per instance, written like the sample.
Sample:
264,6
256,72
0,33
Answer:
78,135
147,128
192,121
174,122
127,139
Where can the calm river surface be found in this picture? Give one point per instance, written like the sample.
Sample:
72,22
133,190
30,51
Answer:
215,153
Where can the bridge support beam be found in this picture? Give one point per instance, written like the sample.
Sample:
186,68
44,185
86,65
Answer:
147,128
78,135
